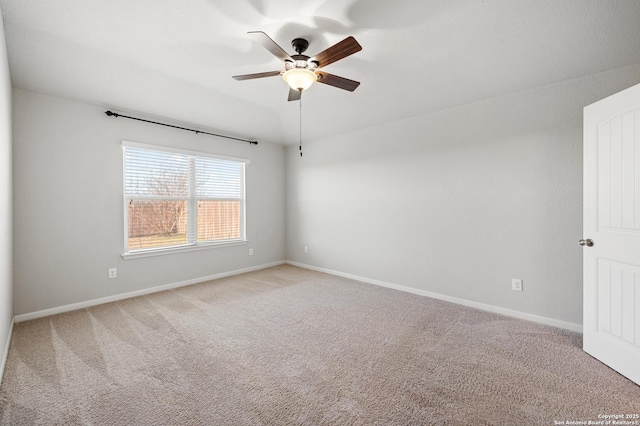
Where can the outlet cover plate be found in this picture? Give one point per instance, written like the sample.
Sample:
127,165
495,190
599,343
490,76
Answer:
516,284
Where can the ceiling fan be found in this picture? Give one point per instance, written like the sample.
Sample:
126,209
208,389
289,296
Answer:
301,71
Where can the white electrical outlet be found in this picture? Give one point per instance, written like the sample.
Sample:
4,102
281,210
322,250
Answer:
250,252
306,249
516,284
113,273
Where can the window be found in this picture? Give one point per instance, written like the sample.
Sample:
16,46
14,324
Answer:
177,199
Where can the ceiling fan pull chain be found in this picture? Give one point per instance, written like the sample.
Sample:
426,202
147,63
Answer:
300,143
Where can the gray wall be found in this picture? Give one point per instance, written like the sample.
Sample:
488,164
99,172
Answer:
68,223
457,202
6,302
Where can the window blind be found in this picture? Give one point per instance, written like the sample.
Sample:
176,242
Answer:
179,199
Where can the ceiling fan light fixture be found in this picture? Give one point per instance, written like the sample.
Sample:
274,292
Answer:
300,78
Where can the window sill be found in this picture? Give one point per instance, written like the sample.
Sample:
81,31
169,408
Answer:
183,249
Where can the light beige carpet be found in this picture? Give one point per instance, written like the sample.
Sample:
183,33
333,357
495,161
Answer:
288,346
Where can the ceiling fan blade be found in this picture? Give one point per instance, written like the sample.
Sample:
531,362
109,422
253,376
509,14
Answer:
257,75
294,95
336,81
340,50
268,43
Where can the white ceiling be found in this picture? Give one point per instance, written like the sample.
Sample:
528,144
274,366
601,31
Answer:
175,58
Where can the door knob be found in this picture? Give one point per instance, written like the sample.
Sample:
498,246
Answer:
588,242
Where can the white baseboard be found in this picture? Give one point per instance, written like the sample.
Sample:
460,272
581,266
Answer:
490,308
121,296
5,354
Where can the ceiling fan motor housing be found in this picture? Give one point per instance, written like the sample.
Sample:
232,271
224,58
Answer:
300,61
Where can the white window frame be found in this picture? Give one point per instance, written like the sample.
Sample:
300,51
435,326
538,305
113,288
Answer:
192,243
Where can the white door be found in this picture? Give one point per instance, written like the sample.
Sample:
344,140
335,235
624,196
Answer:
612,232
